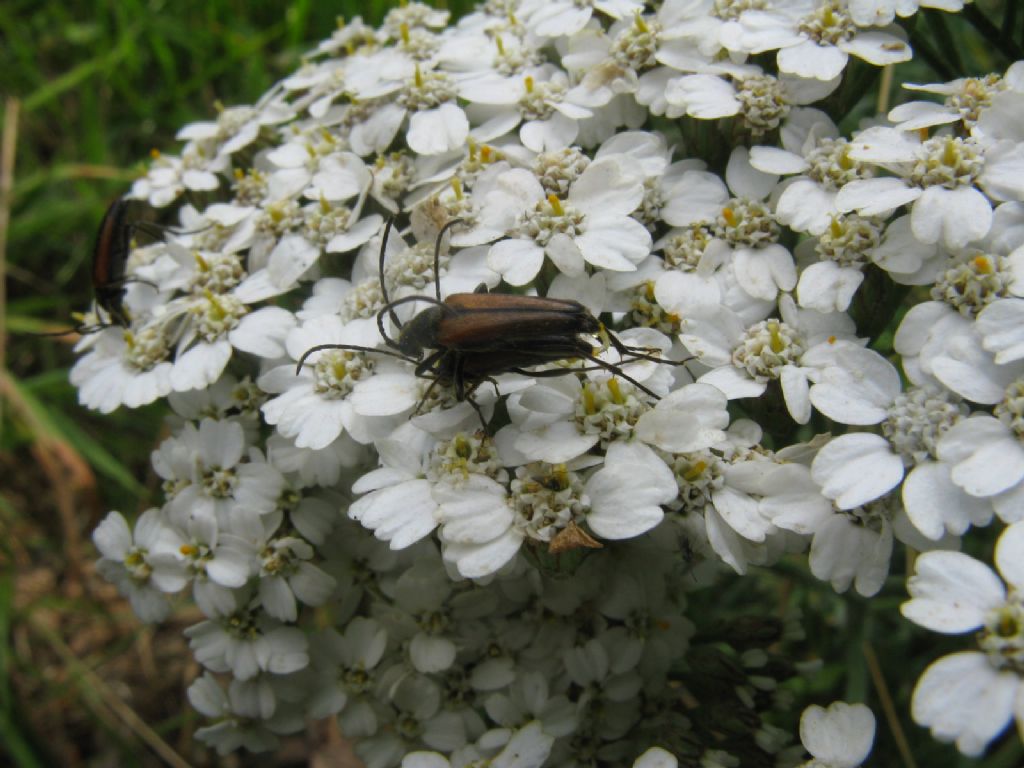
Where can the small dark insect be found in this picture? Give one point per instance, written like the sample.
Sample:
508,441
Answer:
468,338
109,256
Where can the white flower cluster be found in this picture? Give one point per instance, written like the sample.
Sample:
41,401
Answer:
522,600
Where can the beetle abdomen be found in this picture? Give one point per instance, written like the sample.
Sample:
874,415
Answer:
474,321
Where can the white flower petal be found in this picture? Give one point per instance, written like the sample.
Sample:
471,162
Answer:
435,131
988,459
765,271
556,444
263,332
806,207
529,747
777,161
698,196
935,504
821,62
1010,554
856,468
857,387
915,115
1001,327
565,254
615,243
359,234
843,552
656,757
431,653
962,698
796,393
954,216
875,197
840,736
425,760
692,418
703,96
201,365
742,513
517,261
878,48
402,514
112,537
475,562
277,599
828,287
556,132
952,592
606,188
290,259
627,492
734,383
385,394
1002,178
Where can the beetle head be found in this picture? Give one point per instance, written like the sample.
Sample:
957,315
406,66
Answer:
110,298
420,333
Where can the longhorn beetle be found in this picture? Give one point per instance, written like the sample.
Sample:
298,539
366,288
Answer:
109,256
467,338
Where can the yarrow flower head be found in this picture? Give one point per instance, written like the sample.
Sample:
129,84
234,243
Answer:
499,349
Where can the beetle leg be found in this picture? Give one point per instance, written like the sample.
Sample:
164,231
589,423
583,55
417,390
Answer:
426,395
430,364
479,412
617,371
550,373
464,394
459,378
624,349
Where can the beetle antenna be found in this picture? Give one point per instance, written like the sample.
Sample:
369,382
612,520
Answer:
389,306
120,282
157,231
636,353
81,330
353,347
437,255
383,286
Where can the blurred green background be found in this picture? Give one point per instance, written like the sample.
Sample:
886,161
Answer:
97,86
